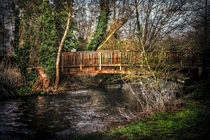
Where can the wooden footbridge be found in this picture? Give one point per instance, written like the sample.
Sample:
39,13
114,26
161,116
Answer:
115,61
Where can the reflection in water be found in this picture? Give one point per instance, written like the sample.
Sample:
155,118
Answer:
75,112
40,105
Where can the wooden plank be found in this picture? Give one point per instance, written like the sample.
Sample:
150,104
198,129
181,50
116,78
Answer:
66,61
99,61
97,65
120,61
80,61
100,71
62,65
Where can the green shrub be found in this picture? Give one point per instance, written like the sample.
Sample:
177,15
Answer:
22,90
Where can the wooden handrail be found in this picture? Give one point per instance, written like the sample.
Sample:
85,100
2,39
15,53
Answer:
114,59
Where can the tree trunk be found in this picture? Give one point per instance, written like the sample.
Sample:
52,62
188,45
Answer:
42,83
60,49
114,11
117,25
101,28
139,31
204,73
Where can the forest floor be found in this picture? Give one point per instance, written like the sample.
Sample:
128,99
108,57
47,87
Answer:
191,121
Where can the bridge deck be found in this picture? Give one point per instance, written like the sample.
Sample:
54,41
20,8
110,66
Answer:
115,61
96,62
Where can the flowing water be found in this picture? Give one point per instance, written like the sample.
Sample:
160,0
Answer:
62,116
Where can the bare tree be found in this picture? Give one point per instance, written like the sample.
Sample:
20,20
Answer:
156,19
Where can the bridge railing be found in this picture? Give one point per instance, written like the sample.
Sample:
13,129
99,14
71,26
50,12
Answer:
90,58
117,58
81,59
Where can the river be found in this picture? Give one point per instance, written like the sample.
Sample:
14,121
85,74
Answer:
64,115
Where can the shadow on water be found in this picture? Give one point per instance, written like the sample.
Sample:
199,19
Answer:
61,116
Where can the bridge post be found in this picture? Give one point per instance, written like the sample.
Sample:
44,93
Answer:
62,62
100,61
80,55
120,61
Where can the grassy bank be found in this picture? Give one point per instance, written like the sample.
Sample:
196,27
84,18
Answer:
189,122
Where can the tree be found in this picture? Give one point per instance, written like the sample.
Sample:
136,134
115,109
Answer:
156,19
200,28
48,39
71,41
62,42
24,36
35,39
101,28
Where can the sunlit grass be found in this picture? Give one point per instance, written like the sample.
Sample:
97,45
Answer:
163,124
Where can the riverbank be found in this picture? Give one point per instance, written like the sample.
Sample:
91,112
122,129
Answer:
190,121
11,88
14,88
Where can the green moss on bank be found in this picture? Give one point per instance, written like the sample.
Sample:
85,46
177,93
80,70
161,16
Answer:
167,124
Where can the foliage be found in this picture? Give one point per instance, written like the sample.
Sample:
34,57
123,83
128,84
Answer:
100,30
71,41
60,16
22,90
22,58
32,78
48,38
35,40
43,92
151,65
37,33
21,53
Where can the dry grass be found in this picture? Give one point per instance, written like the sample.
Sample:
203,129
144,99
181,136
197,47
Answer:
151,98
9,74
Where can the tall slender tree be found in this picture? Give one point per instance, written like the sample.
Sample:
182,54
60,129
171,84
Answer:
70,11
